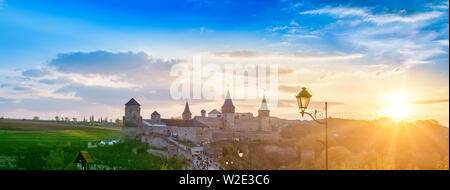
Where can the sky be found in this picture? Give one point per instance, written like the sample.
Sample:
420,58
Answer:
369,59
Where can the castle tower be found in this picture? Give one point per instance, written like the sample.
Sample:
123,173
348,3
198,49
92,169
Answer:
228,106
132,121
228,112
187,115
264,116
203,112
156,116
132,112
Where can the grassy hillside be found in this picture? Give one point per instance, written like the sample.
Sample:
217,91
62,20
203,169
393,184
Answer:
42,145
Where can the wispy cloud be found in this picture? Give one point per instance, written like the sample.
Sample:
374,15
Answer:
429,101
394,38
443,42
379,19
339,12
389,18
294,56
35,73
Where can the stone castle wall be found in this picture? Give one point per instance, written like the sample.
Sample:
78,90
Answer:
130,132
218,135
211,122
247,124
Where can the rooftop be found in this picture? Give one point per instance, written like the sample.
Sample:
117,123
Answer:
183,123
186,109
132,102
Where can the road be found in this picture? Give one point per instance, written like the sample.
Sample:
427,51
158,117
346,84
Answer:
196,162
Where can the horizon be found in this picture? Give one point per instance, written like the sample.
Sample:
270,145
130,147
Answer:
369,60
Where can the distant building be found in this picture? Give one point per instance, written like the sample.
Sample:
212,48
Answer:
203,113
214,113
217,126
187,115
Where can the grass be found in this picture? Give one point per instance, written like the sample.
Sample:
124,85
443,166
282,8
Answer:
40,145
12,142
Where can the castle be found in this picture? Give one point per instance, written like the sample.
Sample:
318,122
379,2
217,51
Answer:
224,125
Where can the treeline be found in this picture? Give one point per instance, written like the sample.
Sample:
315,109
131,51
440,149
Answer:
380,144
352,145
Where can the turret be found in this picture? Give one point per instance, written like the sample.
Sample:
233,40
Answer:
263,116
156,116
263,110
228,112
203,113
228,106
187,115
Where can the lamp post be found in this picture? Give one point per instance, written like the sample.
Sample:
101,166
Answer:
303,98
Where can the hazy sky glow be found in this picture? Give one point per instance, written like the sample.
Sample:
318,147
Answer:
77,58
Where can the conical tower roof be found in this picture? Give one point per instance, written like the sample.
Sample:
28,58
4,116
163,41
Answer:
264,104
186,109
132,102
156,113
228,102
228,106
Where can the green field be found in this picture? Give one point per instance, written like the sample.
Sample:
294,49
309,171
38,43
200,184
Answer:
40,145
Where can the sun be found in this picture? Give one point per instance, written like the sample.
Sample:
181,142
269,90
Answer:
396,107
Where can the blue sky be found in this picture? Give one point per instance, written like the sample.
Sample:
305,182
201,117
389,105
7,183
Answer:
55,51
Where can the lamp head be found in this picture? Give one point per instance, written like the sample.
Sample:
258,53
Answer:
303,98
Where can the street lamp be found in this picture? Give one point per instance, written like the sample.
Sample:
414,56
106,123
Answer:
303,98
240,153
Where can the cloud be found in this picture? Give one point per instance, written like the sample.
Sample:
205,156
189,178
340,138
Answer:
107,63
59,80
429,101
5,100
19,88
312,104
34,73
289,89
283,70
45,104
339,12
379,19
299,36
109,69
293,23
295,56
443,42
240,54
388,18
396,38
112,96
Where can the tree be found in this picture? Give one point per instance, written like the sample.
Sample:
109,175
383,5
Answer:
339,155
57,118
